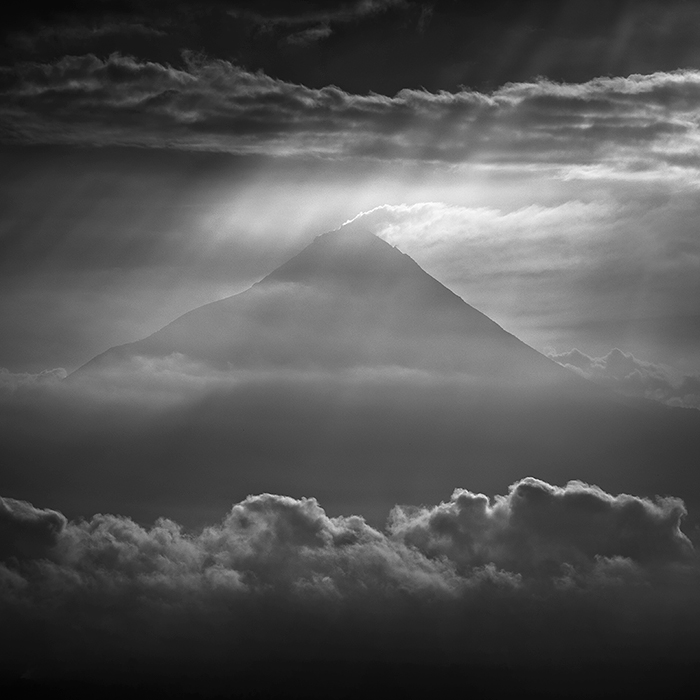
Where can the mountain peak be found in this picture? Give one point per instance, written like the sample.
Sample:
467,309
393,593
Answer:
353,235
350,255
347,300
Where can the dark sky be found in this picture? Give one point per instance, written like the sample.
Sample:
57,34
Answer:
378,46
539,159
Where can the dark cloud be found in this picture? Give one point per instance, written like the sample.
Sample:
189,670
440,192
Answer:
27,532
341,13
633,377
379,45
538,526
279,579
215,104
80,34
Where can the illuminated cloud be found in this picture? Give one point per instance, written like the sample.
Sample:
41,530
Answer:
589,129
538,526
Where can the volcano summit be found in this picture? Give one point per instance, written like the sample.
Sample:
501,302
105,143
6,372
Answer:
347,301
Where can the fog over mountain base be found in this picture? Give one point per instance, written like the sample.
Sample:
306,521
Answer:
128,565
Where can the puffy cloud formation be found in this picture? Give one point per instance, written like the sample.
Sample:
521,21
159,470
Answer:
542,573
590,129
538,526
624,372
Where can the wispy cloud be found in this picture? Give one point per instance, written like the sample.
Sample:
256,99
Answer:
69,34
310,26
592,129
340,14
311,35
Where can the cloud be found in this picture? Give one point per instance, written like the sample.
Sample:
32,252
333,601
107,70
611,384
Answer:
82,34
542,574
342,14
599,260
180,438
11,381
589,129
625,373
311,35
461,582
538,526
26,531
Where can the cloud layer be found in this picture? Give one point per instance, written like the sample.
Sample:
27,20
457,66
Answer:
469,580
589,129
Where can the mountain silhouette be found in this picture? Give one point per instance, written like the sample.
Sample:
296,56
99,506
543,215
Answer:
348,300
357,378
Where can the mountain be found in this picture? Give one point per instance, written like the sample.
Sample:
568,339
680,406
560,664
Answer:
348,374
349,300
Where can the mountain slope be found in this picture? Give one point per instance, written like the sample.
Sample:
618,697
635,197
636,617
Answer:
348,300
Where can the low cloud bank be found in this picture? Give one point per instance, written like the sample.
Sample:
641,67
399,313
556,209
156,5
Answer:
543,573
624,372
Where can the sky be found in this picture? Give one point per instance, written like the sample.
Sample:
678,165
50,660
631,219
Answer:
540,159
